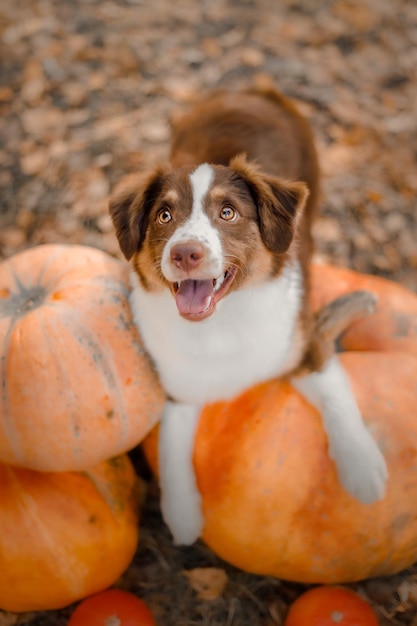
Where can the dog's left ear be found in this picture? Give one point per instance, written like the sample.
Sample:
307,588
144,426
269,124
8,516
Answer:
279,202
129,209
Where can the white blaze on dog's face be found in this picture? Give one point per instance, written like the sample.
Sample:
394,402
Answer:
193,259
203,232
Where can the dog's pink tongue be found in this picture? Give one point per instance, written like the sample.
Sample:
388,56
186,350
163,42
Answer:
194,296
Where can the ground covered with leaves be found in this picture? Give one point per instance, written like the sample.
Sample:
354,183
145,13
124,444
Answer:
87,88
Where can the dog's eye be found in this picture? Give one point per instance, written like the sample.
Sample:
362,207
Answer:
164,216
228,214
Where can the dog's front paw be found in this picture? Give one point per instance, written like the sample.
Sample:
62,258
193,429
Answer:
180,497
183,515
361,468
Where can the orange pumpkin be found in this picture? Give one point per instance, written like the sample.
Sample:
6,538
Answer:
272,503
65,535
328,606
76,385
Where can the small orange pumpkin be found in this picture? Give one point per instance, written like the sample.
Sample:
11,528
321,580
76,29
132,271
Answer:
66,535
329,606
272,503
76,385
112,607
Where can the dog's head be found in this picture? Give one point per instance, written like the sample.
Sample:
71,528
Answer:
205,231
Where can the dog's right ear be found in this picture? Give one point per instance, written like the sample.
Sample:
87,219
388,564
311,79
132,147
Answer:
279,203
129,209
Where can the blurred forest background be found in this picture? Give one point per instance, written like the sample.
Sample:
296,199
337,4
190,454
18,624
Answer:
87,88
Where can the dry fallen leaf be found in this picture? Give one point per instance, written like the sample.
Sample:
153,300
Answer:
208,582
277,611
12,619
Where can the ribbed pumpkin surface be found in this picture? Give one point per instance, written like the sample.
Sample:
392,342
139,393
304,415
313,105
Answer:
75,384
65,535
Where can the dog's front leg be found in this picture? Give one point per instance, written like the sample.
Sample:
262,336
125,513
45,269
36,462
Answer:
361,466
180,498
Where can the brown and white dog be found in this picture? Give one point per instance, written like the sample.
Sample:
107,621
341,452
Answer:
219,240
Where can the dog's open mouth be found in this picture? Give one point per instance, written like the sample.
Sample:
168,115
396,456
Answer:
197,299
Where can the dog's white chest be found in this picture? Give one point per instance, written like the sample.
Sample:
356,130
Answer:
249,338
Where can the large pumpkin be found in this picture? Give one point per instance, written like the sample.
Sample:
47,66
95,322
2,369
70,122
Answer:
65,535
272,503
76,385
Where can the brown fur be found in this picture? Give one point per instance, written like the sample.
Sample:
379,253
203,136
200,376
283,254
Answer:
265,160
264,125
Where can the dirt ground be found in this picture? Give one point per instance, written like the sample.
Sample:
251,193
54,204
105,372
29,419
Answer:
86,91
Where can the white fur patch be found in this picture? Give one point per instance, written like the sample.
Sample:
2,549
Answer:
360,464
201,179
251,337
199,228
180,498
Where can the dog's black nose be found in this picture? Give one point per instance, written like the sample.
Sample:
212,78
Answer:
187,256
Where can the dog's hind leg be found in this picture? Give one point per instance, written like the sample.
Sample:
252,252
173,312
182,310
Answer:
180,498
